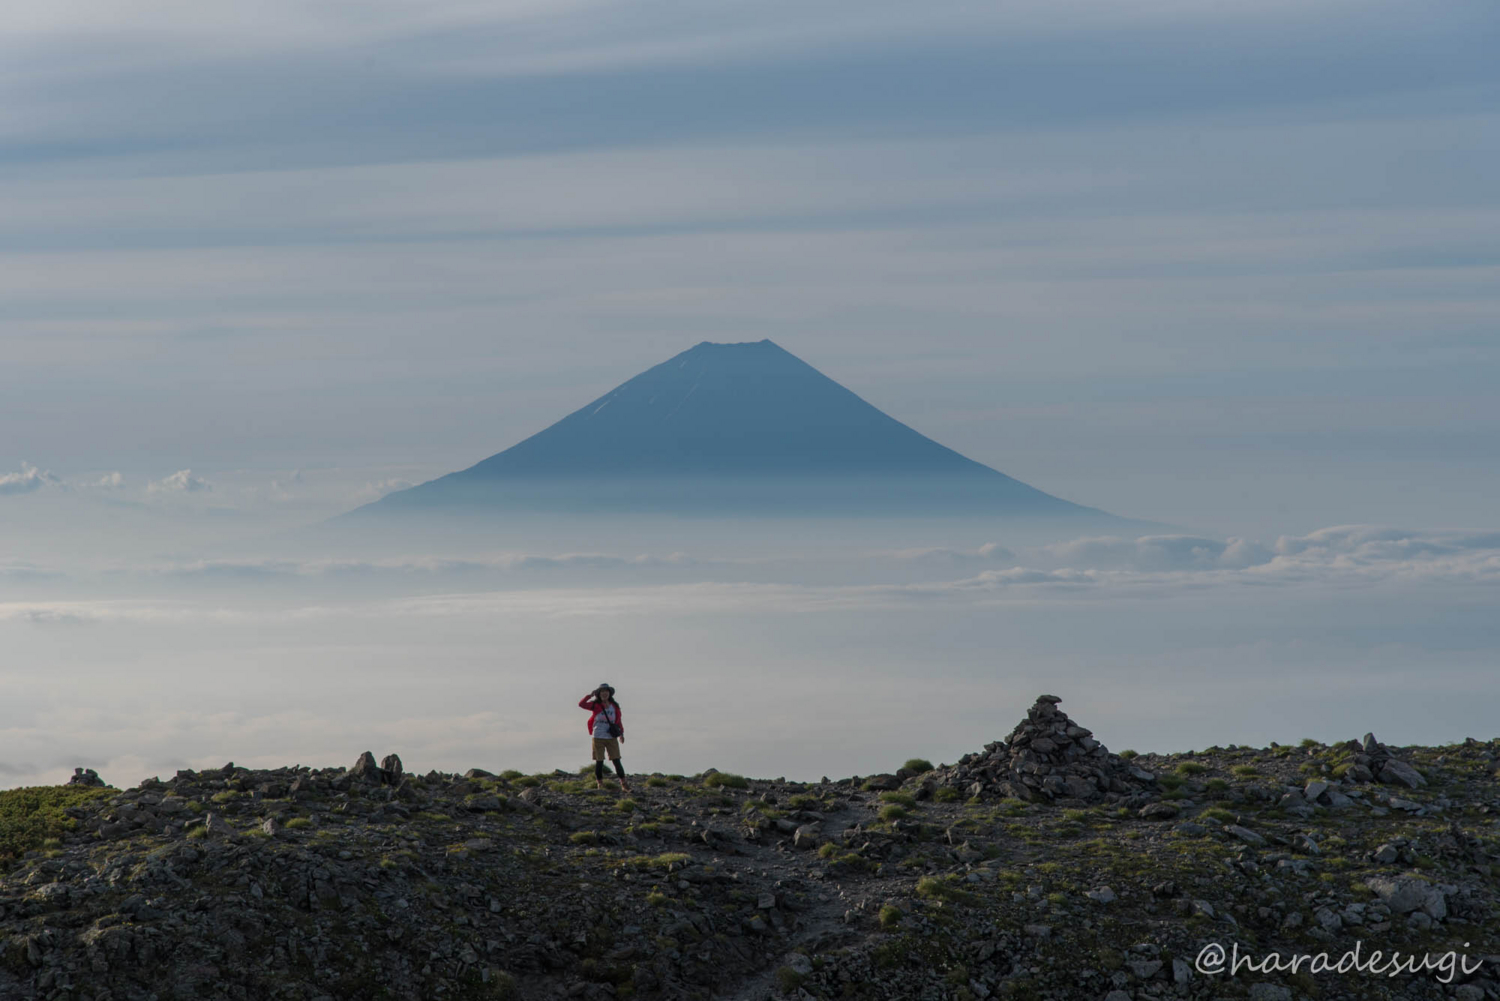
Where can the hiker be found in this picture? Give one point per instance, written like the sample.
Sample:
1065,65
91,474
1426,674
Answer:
607,727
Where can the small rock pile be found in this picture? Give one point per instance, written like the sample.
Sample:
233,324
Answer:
1048,756
1374,762
86,777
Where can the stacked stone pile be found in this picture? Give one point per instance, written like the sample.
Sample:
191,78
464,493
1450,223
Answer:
1375,762
1048,756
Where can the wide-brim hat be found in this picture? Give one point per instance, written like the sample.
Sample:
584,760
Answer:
603,685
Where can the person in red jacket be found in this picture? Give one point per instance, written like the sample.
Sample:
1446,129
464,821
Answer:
607,727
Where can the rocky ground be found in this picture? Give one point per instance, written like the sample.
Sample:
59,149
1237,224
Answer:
1043,867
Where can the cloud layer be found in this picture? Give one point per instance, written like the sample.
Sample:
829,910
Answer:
570,584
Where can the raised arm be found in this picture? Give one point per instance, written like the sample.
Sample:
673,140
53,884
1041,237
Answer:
587,702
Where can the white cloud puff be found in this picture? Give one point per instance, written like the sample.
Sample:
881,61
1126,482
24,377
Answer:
182,481
111,481
28,480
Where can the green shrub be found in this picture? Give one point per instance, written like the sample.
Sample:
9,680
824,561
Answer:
918,765
943,888
666,860
853,860
627,806
30,816
1216,785
1190,768
297,822
1245,771
892,811
788,980
947,794
656,898
727,781
1127,754
902,798
890,916
656,782
1218,813
804,802
584,837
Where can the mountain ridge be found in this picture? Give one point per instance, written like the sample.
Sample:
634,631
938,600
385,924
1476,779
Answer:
1044,867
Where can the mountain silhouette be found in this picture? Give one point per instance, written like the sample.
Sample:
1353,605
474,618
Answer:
747,427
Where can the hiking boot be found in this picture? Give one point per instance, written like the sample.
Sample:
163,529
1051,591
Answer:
624,786
598,783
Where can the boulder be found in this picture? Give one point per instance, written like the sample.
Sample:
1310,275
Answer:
218,827
366,770
1394,771
808,836
1406,894
1246,835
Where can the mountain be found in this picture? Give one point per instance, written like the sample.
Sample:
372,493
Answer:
744,427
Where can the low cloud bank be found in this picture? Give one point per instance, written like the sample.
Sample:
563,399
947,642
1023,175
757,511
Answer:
606,584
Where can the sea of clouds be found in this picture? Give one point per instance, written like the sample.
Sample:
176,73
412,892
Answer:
779,661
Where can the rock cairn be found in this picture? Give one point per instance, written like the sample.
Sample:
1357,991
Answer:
1375,762
1048,756
86,777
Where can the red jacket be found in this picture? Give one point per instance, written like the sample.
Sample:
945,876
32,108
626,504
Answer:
594,706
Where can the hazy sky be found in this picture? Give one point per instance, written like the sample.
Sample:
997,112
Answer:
1230,262
1233,266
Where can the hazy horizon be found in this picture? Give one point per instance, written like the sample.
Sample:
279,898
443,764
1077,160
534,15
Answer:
1232,269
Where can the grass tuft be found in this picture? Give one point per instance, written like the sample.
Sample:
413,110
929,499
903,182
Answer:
727,781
